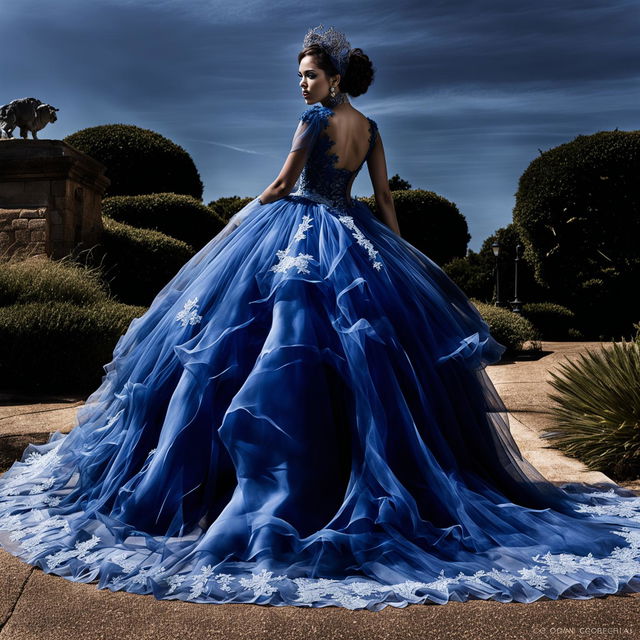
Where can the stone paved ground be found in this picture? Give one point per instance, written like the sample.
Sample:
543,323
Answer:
36,605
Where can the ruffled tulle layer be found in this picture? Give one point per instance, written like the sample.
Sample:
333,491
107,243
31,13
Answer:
302,417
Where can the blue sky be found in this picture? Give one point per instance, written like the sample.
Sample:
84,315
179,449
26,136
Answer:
465,93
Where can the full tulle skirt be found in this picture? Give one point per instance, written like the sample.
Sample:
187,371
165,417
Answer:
303,417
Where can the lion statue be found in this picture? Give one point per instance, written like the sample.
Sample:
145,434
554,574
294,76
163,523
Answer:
30,114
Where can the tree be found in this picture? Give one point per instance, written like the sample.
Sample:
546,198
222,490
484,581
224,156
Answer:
396,183
577,212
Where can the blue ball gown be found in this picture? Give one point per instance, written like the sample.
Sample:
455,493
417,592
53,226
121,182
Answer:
303,417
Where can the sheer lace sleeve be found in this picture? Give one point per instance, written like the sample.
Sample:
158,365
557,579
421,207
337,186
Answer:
312,122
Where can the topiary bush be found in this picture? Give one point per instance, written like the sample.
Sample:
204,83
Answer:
552,321
430,223
227,207
179,216
138,161
577,210
135,263
507,327
60,347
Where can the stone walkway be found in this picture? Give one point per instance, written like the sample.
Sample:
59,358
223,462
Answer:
36,605
524,387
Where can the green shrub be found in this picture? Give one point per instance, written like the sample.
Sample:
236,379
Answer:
44,280
179,216
430,223
226,207
552,321
471,275
577,213
598,408
136,263
475,274
138,161
507,327
59,346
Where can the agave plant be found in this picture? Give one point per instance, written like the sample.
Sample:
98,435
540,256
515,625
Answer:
598,409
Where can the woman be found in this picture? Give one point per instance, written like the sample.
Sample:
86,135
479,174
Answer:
302,417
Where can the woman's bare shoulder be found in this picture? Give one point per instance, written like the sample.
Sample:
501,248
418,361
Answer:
351,114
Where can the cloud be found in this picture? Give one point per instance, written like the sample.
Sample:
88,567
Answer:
464,92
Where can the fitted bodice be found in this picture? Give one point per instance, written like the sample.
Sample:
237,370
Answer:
321,180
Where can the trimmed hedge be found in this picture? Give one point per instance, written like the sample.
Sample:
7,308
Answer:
507,327
138,161
136,263
58,346
179,216
552,321
226,207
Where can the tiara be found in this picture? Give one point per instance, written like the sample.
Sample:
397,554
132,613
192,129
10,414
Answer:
334,42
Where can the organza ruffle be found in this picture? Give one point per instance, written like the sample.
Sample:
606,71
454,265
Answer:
302,417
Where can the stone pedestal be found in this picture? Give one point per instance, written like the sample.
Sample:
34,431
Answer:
50,198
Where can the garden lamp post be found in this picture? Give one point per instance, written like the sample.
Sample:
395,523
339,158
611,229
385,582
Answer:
515,303
495,247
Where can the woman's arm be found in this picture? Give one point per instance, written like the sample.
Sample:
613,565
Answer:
287,177
377,166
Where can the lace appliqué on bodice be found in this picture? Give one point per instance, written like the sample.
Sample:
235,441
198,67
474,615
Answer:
320,180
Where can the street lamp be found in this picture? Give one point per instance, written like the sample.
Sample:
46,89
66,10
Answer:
515,303
495,247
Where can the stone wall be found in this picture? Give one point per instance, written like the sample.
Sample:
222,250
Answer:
24,230
50,198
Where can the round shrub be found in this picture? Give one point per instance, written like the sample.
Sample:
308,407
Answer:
430,223
228,206
59,346
138,160
179,216
44,280
507,327
552,321
577,211
136,263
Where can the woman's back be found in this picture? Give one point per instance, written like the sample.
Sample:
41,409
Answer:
348,129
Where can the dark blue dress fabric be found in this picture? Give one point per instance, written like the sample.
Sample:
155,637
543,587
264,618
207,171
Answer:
303,417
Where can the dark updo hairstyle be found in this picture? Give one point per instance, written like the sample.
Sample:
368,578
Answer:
359,74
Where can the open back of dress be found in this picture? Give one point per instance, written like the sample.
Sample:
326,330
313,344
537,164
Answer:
337,150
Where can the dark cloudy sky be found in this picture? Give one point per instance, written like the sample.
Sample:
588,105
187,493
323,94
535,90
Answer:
465,92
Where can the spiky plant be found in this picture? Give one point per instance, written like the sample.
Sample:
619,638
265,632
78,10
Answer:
598,409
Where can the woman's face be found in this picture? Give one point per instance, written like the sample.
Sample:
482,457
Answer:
313,81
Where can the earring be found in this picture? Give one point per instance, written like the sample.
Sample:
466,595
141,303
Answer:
336,98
